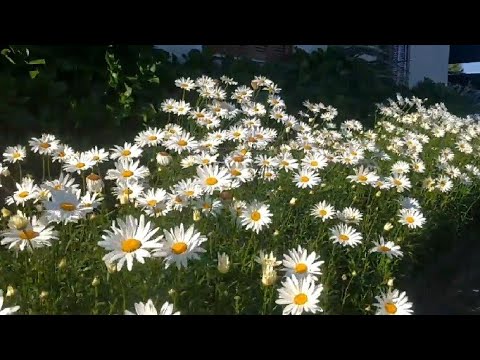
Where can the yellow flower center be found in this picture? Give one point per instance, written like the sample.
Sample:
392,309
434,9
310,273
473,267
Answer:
28,234
211,181
61,154
301,268
127,173
314,163
205,161
300,299
163,153
252,139
390,308
322,212
58,187
182,142
307,147
23,194
179,248
397,182
127,192
45,145
384,248
243,151
238,158
80,165
16,155
93,177
96,158
67,206
130,245
200,115
259,136
189,192
152,203
284,163
235,172
304,179
344,237
255,216
178,200
410,219
206,206
152,138
126,152
237,134
362,178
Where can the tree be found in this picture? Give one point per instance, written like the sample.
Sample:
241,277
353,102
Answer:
455,68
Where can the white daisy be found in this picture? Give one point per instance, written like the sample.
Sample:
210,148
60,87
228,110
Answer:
323,211
149,309
36,234
212,178
298,263
306,178
132,239
350,215
388,248
27,190
299,296
13,154
179,246
45,145
78,162
125,152
412,218
127,172
64,206
255,216
393,303
345,235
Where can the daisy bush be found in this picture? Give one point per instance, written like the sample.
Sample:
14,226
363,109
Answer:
226,203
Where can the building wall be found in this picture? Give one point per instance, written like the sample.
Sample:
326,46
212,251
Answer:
428,61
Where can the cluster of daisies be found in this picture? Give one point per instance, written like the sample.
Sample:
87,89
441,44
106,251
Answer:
238,142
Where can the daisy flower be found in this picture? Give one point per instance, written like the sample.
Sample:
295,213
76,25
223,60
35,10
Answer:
36,234
345,235
256,216
323,211
45,145
62,153
149,137
64,207
299,296
185,84
127,192
301,265
444,184
350,215
306,178
127,172
179,246
212,178
363,176
412,218
314,161
266,259
163,158
388,248
78,162
64,182
97,155
9,310
400,182
393,303
132,239
13,154
149,309
94,183
125,152
26,190
208,205
181,142
181,108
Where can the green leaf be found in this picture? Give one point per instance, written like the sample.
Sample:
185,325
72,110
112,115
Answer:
37,62
33,73
128,92
153,68
154,79
4,52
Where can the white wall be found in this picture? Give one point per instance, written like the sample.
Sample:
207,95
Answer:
428,61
